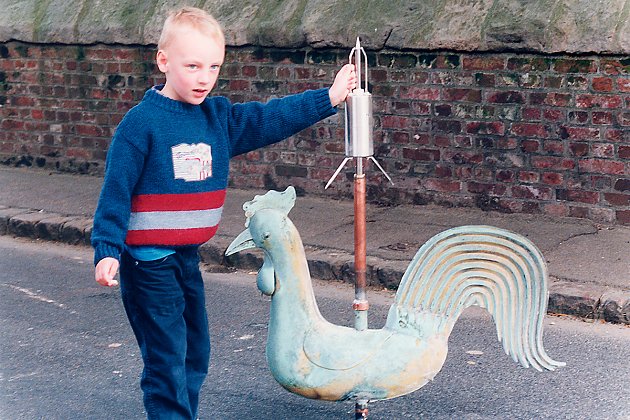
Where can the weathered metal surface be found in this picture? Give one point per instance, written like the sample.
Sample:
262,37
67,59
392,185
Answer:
360,304
471,265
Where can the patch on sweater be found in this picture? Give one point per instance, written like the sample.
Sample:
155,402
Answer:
192,162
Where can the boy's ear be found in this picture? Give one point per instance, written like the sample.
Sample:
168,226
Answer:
162,61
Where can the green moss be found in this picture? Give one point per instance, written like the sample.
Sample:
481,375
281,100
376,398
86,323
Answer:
452,60
22,50
321,57
398,60
427,60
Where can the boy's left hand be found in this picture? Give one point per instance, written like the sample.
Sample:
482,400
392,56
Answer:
345,81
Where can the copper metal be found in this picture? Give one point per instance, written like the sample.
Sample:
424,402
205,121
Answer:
360,304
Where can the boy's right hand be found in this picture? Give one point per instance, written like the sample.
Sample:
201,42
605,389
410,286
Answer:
105,271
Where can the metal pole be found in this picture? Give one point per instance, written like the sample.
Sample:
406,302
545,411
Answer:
360,304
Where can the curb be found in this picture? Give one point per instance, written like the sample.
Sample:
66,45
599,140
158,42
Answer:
585,301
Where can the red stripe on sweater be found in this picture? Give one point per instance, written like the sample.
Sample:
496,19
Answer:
177,202
170,237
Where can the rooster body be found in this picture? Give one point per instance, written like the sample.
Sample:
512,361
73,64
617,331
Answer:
472,265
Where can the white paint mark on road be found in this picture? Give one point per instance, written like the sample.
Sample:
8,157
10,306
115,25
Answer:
35,295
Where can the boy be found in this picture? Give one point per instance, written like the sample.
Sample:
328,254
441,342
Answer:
162,197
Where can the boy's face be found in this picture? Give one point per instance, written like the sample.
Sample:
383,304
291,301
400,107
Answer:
191,63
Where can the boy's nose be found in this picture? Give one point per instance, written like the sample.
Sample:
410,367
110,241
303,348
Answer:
203,78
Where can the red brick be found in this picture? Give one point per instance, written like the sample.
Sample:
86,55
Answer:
579,133
530,146
483,63
555,115
531,114
421,154
623,152
482,127
532,192
556,209
526,64
505,176
600,117
552,178
420,93
393,121
442,185
550,162
528,177
447,126
622,184
602,150
443,171
589,197
617,199
612,66
78,153
604,166
506,97
617,136
550,98
553,147
623,217
462,157
400,137
575,66
598,101
462,95
529,130
602,84
486,188
578,117
623,84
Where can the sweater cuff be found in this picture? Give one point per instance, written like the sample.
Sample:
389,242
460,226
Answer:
105,250
323,106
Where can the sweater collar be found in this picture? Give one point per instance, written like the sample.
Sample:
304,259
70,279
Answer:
155,97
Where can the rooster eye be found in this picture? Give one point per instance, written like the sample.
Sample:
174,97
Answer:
266,235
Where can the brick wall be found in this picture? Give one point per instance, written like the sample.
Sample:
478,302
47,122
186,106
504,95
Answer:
507,132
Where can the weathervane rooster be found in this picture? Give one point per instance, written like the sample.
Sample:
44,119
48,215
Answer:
461,267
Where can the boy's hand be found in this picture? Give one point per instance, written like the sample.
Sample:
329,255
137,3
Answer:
105,271
345,81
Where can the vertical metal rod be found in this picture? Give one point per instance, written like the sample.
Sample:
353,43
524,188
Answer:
360,304
357,62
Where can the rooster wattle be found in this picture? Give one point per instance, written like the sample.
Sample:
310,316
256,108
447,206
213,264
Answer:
471,265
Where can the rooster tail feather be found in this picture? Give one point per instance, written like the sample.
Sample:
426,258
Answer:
484,266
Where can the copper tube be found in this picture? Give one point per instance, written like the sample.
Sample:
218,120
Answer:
360,265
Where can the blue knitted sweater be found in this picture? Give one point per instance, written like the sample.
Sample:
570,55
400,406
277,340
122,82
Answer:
168,163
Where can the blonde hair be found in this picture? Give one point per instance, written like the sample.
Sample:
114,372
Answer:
193,17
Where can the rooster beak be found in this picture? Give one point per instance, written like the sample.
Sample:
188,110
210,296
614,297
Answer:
240,243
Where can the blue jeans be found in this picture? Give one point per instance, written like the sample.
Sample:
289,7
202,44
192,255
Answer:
165,304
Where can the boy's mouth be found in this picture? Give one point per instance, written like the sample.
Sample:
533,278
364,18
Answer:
200,92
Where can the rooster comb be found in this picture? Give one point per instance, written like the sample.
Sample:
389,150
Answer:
281,201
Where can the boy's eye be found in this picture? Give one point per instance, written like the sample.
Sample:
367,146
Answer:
215,67
192,66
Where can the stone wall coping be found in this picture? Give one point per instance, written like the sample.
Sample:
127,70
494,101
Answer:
540,26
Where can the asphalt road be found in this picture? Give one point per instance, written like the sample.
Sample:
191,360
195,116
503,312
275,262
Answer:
66,352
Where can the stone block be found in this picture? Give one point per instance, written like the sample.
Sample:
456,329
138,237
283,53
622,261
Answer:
73,231
24,224
6,214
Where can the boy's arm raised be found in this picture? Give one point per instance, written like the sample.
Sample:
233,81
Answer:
253,125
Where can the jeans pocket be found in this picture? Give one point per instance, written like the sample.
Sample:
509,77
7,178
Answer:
150,263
